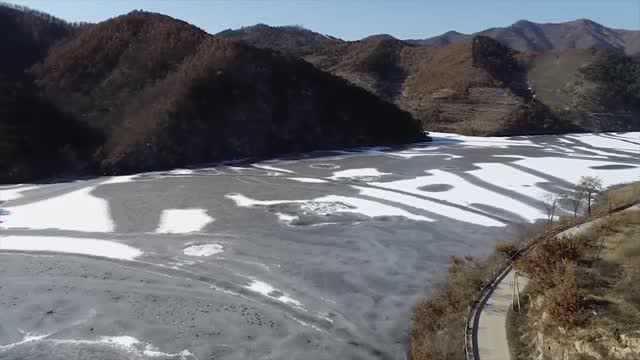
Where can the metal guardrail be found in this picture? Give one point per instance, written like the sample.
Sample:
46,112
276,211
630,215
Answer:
471,351
473,317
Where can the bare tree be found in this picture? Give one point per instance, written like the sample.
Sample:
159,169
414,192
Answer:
589,187
574,200
550,205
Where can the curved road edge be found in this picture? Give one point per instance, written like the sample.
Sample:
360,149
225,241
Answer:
489,295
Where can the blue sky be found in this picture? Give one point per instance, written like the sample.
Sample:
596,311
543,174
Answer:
354,19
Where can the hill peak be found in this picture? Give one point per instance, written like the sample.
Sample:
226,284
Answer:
380,37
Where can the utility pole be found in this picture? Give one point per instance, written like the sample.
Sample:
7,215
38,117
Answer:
515,294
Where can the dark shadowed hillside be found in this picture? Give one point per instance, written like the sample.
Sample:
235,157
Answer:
290,39
145,91
233,100
36,138
27,35
94,74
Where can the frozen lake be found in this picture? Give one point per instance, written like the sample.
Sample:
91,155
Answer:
317,257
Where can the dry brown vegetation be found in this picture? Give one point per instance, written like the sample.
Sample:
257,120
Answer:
439,320
554,268
477,90
583,293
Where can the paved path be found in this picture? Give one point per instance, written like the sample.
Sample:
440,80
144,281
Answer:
492,329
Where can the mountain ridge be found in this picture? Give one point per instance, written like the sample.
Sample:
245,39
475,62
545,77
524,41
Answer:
525,35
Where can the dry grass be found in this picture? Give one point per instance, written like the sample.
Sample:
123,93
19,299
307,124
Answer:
517,330
617,197
588,286
610,284
439,321
555,268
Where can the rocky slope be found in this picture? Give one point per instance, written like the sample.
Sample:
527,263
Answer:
451,86
147,91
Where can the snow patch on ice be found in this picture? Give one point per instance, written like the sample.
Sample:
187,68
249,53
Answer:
272,168
181,172
332,204
15,192
463,193
182,221
431,206
308,180
126,344
286,218
269,291
572,169
78,210
364,174
608,141
119,180
203,250
478,141
69,245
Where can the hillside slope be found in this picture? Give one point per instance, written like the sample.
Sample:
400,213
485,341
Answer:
295,40
453,88
36,138
148,91
449,88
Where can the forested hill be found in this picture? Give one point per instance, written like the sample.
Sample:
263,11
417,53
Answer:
145,91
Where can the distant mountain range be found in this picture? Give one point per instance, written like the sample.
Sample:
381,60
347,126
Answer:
534,37
145,91
480,84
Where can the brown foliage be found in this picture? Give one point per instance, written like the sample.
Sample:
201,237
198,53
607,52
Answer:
438,323
542,262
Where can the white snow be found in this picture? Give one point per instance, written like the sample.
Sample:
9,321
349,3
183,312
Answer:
463,193
181,221
28,338
573,169
369,208
603,154
431,206
203,250
269,291
308,180
510,178
477,141
14,193
333,204
126,344
286,218
119,180
181,172
365,173
272,168
609,141
69,245
75,211
244,201
410,154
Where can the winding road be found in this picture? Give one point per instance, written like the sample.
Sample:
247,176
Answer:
490,334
